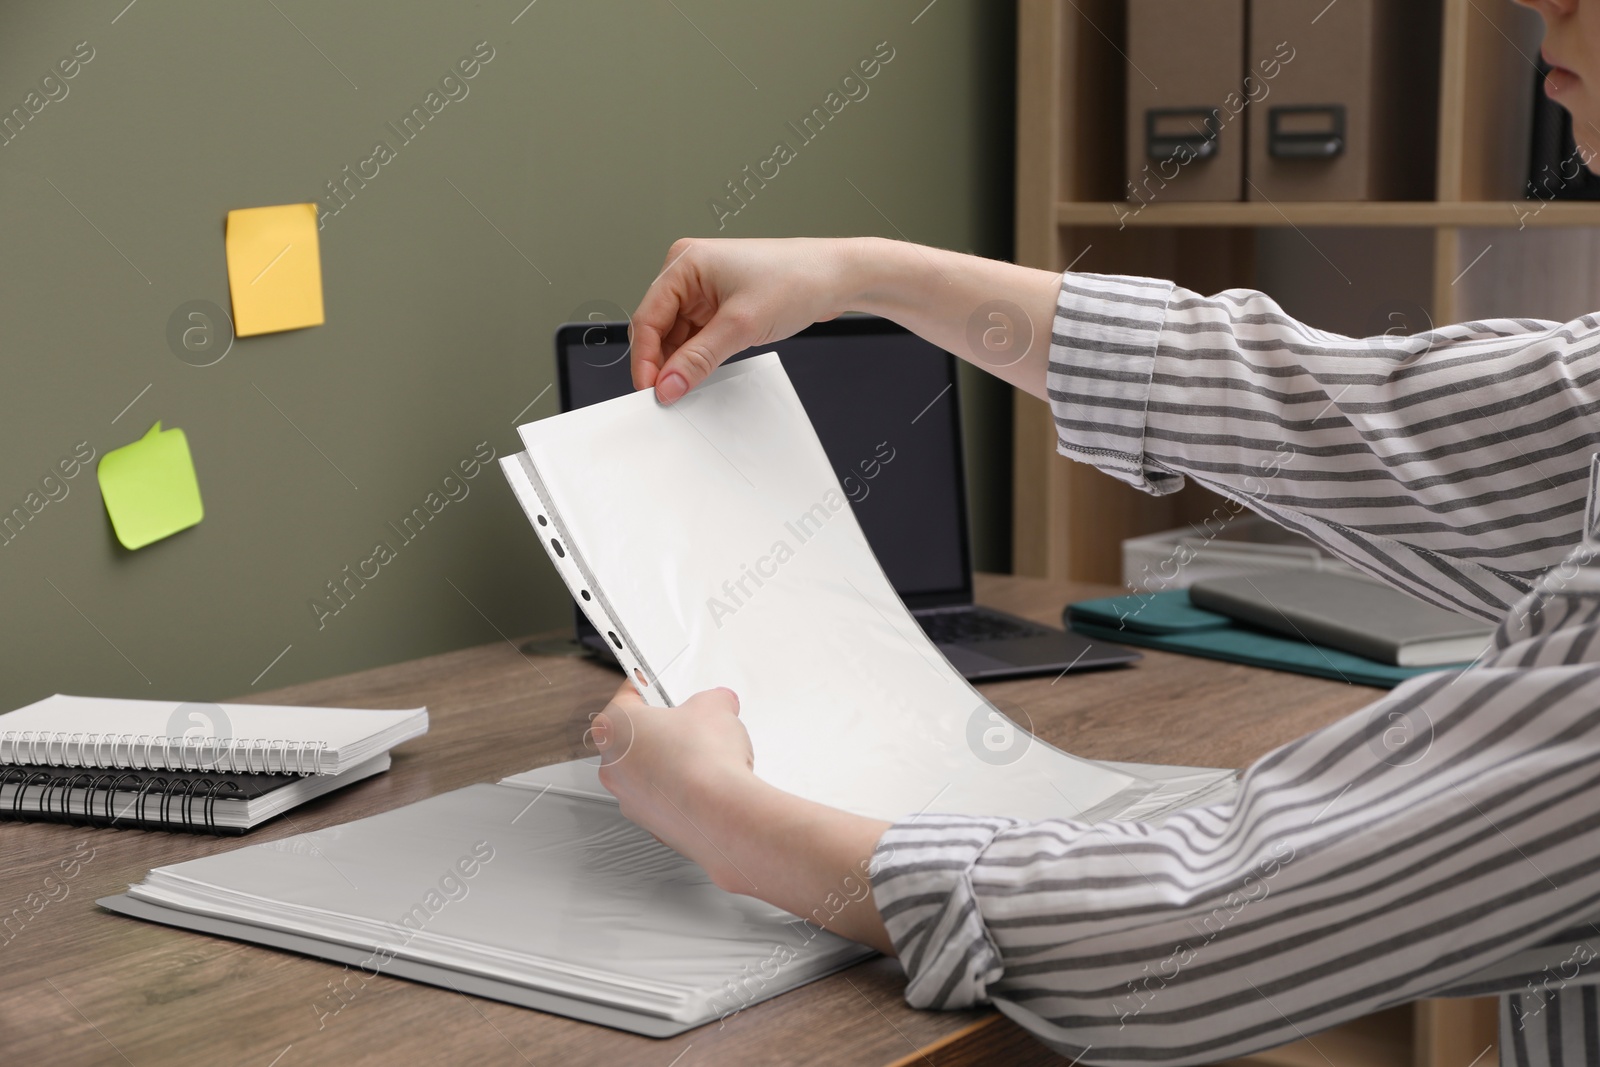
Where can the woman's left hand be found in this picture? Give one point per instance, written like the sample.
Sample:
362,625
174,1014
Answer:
687,775
672,769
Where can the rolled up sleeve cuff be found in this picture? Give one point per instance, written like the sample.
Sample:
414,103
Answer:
1103,348
922,886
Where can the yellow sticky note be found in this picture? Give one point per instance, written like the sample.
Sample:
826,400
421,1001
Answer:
150,488
274,268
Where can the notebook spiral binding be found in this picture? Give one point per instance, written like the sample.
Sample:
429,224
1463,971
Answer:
176,799
234,755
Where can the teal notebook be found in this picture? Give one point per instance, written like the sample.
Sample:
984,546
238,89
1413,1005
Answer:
1168,621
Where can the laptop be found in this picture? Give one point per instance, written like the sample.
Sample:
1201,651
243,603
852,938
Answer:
885,404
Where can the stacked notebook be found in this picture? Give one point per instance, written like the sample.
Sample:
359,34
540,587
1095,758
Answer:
711,543
166,765
1353,614
1328,625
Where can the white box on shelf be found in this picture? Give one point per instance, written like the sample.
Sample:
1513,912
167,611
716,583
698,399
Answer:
1176,559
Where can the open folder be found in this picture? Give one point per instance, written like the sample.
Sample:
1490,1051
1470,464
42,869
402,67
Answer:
711,542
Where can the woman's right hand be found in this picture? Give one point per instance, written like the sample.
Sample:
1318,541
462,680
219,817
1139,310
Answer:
715,298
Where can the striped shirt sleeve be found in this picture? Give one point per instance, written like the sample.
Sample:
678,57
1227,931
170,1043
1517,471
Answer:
1406,849
1449,463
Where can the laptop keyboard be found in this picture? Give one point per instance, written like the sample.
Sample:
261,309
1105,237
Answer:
959,627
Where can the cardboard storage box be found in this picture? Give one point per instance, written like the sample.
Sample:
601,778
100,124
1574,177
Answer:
1351,111
1185,64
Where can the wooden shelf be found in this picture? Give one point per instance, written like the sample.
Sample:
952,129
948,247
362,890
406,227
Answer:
1421,214
1072,73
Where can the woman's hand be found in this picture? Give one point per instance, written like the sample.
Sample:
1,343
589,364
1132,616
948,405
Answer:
687,775
716,298
670,768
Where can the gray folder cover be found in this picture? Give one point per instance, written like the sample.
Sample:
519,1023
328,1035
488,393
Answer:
429,974
533,891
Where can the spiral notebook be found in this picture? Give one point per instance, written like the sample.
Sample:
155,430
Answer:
173,735
536,890
165,800
158,764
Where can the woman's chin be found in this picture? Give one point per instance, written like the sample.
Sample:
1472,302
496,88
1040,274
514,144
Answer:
1588,147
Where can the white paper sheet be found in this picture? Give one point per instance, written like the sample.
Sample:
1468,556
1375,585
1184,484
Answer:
717,549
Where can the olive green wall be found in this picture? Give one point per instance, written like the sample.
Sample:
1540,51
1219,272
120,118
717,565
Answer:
594,135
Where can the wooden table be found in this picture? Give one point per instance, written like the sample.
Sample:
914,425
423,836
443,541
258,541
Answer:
79,985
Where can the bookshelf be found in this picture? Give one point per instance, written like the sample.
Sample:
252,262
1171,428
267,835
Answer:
1069,520
1410,213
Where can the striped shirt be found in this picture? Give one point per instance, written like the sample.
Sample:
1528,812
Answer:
1444,840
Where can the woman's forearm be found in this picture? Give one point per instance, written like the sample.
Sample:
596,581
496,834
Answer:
715,298
996,315
806,858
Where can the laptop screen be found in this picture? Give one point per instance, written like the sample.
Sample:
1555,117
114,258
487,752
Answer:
884,405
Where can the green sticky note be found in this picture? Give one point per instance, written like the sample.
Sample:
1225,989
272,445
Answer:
150,488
